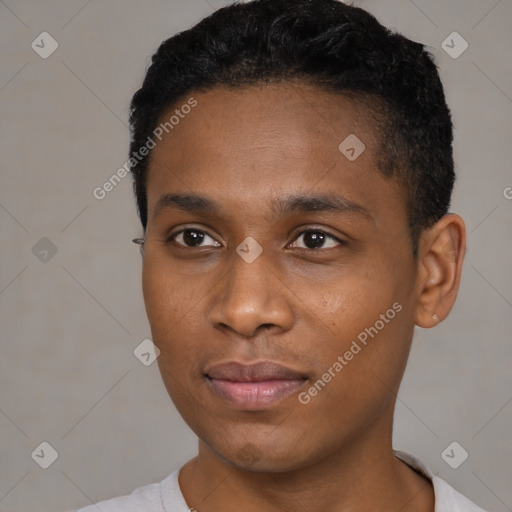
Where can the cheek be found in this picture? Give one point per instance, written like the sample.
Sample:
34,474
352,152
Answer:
168,309
363,319
160,302
173,311
169,298
351,302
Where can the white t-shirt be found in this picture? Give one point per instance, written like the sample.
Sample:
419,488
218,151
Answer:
166,496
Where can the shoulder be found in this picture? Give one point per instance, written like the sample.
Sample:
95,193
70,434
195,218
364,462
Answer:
447,499
146,498
450,500
159,497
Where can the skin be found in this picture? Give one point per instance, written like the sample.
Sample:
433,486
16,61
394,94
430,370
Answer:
296,305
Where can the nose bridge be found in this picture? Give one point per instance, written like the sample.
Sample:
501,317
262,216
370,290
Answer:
249,274
251,297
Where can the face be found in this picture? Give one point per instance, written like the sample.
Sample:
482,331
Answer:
278,275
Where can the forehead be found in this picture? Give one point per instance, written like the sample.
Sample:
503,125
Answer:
258,143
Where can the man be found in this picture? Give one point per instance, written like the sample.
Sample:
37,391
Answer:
293,169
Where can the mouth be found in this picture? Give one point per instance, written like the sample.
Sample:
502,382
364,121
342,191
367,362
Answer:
255,386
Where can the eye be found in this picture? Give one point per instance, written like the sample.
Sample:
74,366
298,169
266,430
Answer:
312,239
315,239
192,237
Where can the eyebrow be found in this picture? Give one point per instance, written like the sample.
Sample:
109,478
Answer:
281,206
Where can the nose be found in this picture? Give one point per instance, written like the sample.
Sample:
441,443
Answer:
252,296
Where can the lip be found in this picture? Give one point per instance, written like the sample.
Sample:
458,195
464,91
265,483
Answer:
254,386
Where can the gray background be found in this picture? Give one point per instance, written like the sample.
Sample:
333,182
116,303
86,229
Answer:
69,325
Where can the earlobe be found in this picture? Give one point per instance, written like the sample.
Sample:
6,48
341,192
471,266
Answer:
440,259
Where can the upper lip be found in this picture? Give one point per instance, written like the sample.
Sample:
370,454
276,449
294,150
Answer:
255,372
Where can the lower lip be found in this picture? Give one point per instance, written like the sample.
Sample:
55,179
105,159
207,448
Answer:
255,395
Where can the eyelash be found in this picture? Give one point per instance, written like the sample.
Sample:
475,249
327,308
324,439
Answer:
171,237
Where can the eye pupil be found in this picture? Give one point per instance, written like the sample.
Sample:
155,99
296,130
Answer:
314,239
192,237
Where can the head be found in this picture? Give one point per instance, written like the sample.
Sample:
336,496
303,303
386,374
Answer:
294,198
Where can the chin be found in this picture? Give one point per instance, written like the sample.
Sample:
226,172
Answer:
261,457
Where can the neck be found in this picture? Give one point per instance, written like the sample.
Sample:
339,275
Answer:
364,475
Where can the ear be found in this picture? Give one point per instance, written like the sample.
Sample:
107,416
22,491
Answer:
440,256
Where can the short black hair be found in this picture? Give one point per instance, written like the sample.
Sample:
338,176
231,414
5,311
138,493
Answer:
327,44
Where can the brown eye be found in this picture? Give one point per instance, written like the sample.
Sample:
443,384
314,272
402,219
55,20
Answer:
315,239
192,238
